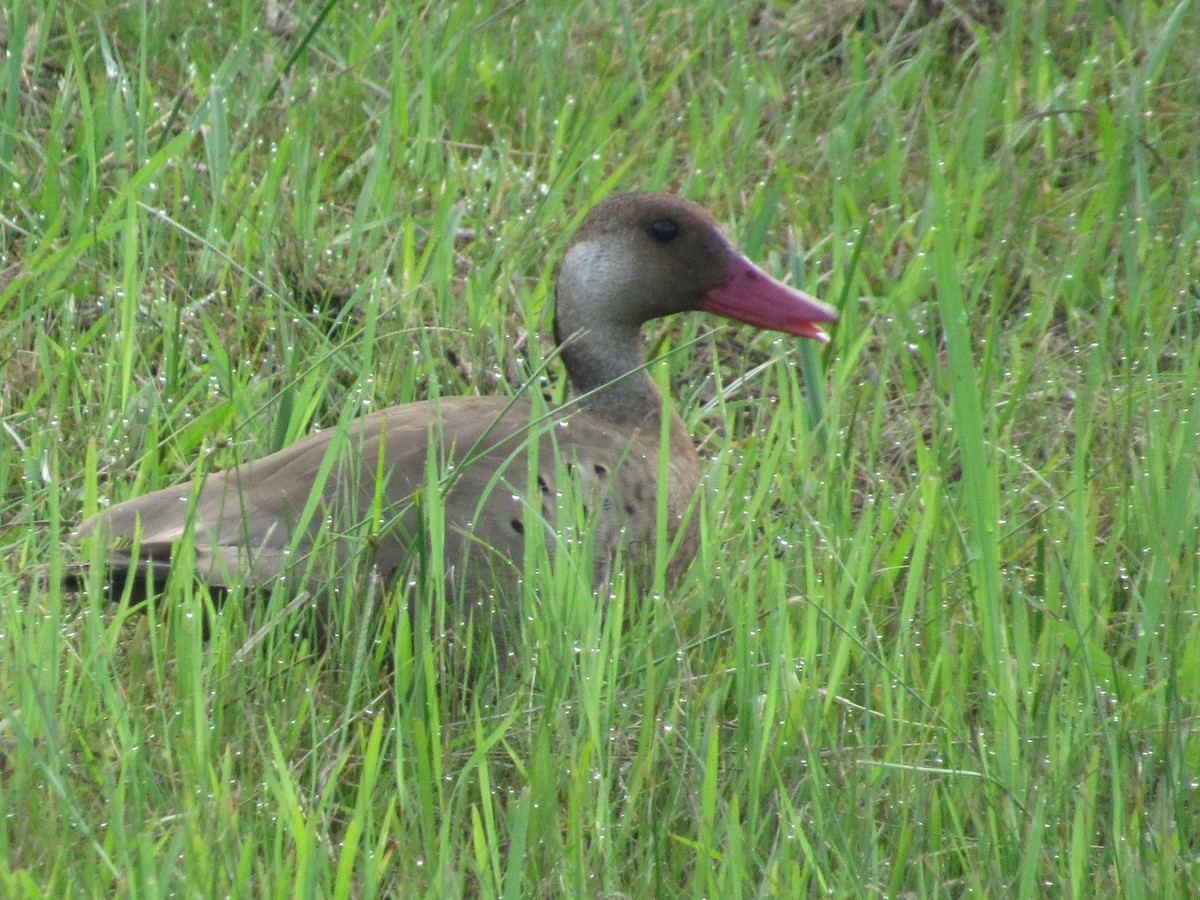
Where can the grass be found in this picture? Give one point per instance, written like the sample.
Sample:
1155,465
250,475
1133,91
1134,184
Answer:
943,631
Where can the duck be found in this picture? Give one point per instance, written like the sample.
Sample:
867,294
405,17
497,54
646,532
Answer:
501,466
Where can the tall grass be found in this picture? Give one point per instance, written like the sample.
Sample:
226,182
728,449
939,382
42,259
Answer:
942,631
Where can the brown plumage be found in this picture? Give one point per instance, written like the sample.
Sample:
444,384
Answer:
635,257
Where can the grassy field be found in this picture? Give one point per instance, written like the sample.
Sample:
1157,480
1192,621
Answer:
943,632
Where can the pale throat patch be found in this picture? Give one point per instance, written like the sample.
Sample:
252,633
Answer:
591,267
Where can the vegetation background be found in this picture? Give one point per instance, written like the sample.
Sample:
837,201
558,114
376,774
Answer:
943,634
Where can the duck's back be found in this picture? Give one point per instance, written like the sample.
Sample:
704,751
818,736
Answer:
502,475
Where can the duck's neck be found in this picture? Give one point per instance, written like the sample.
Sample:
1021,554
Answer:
598,325
608,376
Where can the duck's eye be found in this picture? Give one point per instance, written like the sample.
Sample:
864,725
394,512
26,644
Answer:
664,230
